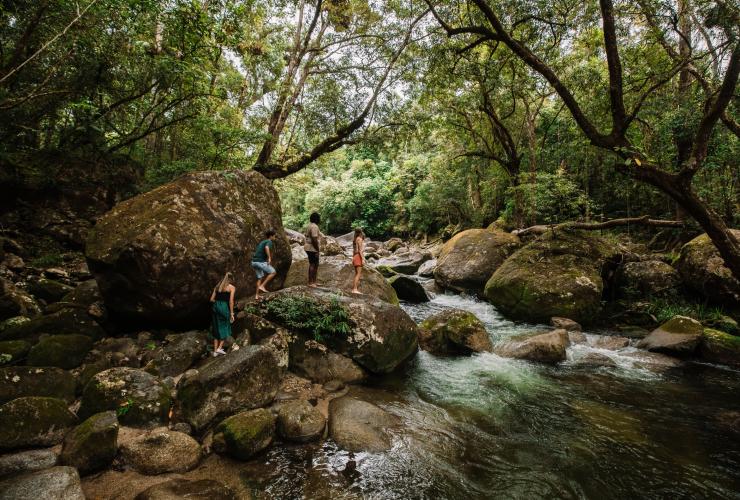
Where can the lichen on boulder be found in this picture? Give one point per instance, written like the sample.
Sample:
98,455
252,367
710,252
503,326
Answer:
679,336
720,347
92,445
454,331
245,434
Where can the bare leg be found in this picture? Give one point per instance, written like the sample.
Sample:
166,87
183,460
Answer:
356,282
257,290
312,272
266,281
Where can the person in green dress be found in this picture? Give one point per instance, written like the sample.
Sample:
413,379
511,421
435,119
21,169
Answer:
223,312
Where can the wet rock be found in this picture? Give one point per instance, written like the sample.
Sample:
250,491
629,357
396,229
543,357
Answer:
609,342
157,255
566,324
647,278
243,379
357,425
408,289
160,451
49,290
314,361
177,489
180,353
92,445
299,421
426,270
595,360
454,331
577,338
469,258
405,263
245,434
679,336
141,399
337,274
544,347
55,483
720,347
25,381
653,361
63,351
12,351
63,322
722,323
27,461
703,270
381,336
34,421
16,302
558,274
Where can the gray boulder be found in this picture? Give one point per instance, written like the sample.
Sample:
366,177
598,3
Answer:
703,270
243,379
426,270
647,278
34,421
157,256
160,451
679,336
566,324
357,425
55,483
595,360
543,347
63,351
407,263
315,362
92,445
611,342
299,421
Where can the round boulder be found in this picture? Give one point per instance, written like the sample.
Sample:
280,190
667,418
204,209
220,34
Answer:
157,256
543,347
140,399
12,351
160,451
469,258
357,425
703,270
245,434
49,290
454,331
27,461
92,445
299,421
34,421
315,362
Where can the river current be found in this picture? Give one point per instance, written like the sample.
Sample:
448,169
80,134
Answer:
489,427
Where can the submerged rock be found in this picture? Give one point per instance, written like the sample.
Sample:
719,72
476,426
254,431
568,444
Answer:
157,256
469,258
55,483
703,270
357,425
24,381
63,351
27,461
610,342
34,421
408,289
679,336
177,489
299,421
454,331
92,445
380,337
558,274
140,399
595,360
720,347
543,347
243,379
160,451
245,434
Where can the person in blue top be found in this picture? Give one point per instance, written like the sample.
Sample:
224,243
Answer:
262,262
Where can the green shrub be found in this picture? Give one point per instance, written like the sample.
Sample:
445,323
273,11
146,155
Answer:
307,315
665,308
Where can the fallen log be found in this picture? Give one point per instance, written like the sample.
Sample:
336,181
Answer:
592,226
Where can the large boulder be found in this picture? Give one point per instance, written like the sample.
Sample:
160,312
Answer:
177,489
157,256
407,288
25,381
337,273
378,336
314,361
55,483
679,336
543,347
245,434
720,347
558,274
160,451
64,351
357,425
243,379
703,270
92,445
454,331
405,263
65,321
181,351
27,461
426,270
299,421
469,258
34,421
647,278
140,399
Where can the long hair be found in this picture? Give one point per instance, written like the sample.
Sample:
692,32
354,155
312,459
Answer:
359,233
227,280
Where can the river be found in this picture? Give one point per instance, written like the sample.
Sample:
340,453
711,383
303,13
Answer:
490,427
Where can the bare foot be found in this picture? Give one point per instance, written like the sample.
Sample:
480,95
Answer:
257,297
262,289
357,292
313,285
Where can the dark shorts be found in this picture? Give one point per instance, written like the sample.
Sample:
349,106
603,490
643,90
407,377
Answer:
313,257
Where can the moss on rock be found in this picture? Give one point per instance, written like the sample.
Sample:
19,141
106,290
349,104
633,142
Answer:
703,270
454,331
93,444
26,381
63,351
34,421
720,347
12,351
245,434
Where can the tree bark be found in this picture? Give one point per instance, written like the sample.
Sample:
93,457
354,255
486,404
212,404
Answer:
595,226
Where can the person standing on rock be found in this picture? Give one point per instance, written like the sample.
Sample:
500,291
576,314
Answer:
262,262
312,248
358,257
223,312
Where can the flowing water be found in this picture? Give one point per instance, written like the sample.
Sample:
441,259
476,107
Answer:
490,427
